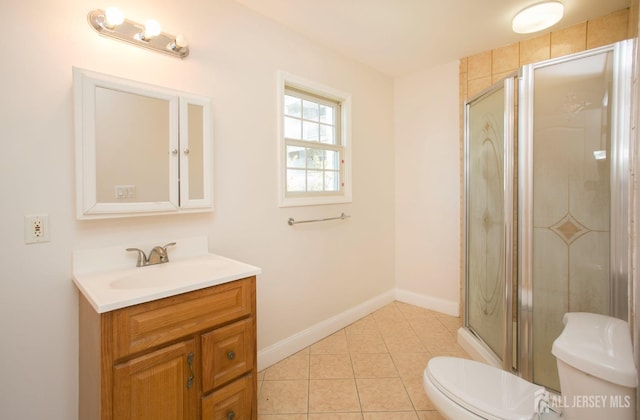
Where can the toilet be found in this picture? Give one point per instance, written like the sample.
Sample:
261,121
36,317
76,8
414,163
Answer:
597,374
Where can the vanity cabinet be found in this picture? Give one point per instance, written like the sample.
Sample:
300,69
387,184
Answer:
189,356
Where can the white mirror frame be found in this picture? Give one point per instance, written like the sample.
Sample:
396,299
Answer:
87,206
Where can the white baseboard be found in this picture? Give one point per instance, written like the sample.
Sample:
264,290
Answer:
290,345
285,348
428,302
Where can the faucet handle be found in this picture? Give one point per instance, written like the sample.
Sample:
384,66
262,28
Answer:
164,255
142,257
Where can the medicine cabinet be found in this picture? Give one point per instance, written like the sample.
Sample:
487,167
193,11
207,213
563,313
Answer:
140,149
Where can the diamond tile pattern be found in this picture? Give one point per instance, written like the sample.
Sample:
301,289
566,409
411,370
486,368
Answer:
569,229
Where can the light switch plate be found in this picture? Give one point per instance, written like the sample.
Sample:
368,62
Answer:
125,191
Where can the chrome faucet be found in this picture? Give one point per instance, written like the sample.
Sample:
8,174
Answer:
157,255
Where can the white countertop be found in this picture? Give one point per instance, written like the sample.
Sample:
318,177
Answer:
109,279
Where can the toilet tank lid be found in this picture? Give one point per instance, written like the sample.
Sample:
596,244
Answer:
598,345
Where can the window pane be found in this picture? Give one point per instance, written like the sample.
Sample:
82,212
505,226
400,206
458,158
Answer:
292,128
292,106
310,131
295,157
310,111
326,134
295,180
331,181
315,158
326,114
315,181
313,153
332,160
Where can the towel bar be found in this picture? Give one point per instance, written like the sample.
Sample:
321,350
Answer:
292,221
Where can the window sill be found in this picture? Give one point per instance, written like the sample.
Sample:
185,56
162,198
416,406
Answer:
313,201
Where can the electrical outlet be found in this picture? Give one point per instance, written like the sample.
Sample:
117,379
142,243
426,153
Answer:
36,228
125,191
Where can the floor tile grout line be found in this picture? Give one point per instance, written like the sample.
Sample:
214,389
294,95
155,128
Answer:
308,382
353,370
404,385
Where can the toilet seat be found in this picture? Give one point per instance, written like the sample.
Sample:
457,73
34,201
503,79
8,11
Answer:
484,390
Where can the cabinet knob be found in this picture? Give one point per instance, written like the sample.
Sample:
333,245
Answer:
186,151
231,355
231,415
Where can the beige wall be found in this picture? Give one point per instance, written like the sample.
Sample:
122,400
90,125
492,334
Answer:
426,192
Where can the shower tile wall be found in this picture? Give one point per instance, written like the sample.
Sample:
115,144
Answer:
480,71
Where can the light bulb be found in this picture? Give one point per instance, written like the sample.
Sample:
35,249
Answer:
113,17
181,41
152,28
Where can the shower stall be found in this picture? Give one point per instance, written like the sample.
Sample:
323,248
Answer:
547,194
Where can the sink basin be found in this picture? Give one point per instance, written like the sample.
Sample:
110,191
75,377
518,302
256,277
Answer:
171,274
108,279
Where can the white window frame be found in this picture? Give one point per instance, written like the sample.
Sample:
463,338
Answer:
310,199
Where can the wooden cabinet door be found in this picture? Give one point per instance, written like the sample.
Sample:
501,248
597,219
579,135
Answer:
159,385
231,402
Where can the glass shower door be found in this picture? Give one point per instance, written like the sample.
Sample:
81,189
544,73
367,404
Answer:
488,181
574,167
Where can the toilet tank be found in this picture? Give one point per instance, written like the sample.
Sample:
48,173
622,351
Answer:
597,373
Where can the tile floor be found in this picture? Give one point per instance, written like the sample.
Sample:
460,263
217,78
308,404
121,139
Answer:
370,370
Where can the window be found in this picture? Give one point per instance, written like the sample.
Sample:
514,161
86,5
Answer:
314,153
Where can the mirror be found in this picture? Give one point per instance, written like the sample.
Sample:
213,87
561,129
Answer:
130,129
140,149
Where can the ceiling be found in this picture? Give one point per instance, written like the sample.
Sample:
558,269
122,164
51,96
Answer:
399,37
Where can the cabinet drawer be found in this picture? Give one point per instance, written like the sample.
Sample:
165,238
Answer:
147,325
227,353
232,402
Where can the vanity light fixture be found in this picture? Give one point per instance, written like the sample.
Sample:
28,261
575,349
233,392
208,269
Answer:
538,17
112,23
